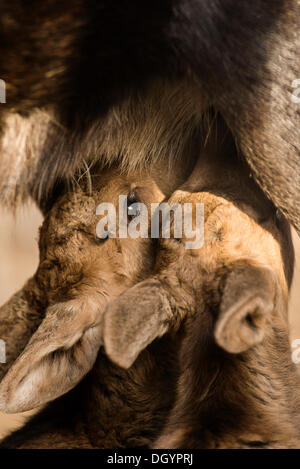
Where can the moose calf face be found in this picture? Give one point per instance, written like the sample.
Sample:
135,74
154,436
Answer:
78,274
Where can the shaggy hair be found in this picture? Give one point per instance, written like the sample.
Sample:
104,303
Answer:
80,62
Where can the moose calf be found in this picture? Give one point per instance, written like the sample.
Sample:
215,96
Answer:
62,308
238,387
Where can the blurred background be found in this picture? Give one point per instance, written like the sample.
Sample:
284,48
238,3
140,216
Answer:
19,259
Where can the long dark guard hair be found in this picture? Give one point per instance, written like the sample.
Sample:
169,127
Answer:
68,65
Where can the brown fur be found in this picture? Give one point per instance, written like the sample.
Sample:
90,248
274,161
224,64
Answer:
238,387
244,243
77,276
69,248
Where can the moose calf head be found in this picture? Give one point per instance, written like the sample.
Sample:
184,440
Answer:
238,281
78,274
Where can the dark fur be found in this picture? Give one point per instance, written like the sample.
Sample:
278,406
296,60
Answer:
111,408
80,58
249,400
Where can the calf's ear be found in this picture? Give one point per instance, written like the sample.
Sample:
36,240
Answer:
59,354
134,320
246,305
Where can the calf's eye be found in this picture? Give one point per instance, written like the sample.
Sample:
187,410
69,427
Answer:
132,199
131,211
